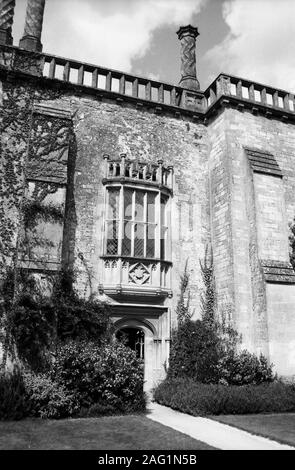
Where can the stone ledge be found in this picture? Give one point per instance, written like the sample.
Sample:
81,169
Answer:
121,291
280,272
49,110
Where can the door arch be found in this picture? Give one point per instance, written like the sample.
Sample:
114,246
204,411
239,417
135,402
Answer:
132,326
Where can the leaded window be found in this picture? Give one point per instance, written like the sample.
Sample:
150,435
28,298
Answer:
137,222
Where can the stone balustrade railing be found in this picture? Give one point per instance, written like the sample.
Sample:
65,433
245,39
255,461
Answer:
111,80
249,91
138,171
163,93
123,86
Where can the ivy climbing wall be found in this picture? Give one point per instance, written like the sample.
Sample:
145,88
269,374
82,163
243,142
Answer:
16,110
45,194
33,176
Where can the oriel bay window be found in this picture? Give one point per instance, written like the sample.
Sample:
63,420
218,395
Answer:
136,253
137,223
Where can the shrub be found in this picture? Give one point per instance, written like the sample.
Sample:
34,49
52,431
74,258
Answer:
13,402
32,327
199,399
206,349
207,353
48,399
108,373
35,320
194,352
244,368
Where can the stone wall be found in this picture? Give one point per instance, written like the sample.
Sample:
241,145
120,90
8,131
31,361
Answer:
15,108
281,328
221,197
107,128
250,225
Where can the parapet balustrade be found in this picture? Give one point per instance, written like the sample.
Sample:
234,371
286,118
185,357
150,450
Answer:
111,80
123,86
249,91
138,172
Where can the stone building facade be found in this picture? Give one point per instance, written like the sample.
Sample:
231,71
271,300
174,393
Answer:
146,177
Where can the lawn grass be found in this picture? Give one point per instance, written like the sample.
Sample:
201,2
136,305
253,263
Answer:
279,426
106,433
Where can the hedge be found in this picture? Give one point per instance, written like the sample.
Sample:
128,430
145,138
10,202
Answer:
200,399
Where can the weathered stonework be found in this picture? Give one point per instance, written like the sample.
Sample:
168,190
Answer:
223,165
251,247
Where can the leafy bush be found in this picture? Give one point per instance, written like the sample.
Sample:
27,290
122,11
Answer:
244,368
206,349
32,328
48,399
35,321
13,402
99,374
194,351
207,353
199,399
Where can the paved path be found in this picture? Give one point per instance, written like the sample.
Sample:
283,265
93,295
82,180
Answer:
213,433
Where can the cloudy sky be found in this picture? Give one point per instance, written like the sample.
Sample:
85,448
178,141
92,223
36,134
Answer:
250,38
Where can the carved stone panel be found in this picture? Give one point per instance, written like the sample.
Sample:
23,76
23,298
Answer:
139,274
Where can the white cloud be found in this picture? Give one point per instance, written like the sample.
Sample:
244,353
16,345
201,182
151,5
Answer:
260,44
92,31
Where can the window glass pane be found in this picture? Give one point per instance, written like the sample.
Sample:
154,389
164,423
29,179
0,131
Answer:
150,242
163,242
113,207
139,224
151,199
139,205
139,240
128,193
126,242
163,209
112,238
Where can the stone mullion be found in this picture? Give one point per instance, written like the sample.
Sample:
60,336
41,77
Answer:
106,222
145,212
168,225
158,229
121,221
6,21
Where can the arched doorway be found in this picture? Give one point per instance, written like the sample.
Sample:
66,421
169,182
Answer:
139,336
133,338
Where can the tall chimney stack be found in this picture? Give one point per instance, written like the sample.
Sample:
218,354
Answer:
187,36
6,20
31,40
